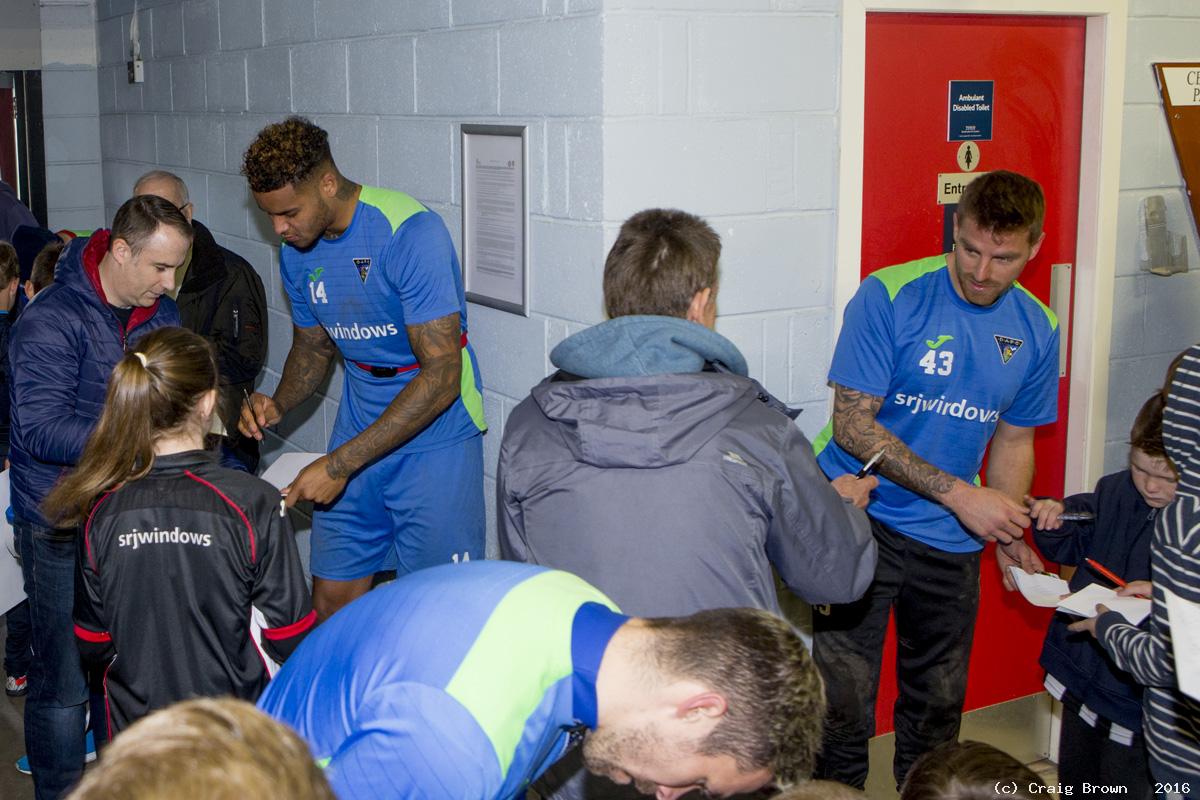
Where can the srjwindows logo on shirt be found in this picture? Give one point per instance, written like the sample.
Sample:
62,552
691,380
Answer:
357,332
959,409
135,538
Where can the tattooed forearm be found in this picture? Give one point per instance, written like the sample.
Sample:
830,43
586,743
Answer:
437,347
856,431
306,366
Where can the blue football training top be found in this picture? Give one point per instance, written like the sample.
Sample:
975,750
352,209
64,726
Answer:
948,371
393,266
458,681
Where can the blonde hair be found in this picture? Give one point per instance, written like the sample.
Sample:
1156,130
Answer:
205,749
152,392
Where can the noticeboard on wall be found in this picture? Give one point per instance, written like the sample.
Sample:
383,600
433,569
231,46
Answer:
1179,84
495,216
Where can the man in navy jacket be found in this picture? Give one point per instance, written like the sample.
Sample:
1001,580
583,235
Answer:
107,293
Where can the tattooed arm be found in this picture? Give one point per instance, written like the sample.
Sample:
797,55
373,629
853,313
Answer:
438,348
306,366
987,512
437,344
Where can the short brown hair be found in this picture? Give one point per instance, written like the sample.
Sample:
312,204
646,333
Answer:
205,749
969,771
1004,202
1146,434
285,153
775,701
10,265
44,263
139,217
661,258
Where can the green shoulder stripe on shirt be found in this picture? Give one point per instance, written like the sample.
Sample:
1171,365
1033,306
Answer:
897,277
472,399
1050,315
823,438
396,206
497,689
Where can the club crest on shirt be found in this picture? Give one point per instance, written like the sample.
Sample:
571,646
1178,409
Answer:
364,267
1008,347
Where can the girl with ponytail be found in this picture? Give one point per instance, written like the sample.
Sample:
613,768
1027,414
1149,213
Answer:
190,580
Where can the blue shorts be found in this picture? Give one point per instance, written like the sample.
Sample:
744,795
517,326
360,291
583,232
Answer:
405,512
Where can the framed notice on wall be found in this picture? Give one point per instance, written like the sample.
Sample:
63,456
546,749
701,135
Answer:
495,216
1179,84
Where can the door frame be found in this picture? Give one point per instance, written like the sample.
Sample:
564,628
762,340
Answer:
1099,185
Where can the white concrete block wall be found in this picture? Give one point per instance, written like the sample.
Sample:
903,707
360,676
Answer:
1153,317
391,82
727,109
70,113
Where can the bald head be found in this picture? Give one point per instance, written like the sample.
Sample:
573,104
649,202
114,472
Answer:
168,186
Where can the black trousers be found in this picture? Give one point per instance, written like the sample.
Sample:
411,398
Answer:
1086,755
935,595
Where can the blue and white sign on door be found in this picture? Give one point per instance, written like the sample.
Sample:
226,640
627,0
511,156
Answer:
970,111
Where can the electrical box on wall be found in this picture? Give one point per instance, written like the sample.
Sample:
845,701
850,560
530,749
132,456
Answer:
137,70
1160,251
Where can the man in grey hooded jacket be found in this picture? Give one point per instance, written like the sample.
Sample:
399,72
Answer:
654,468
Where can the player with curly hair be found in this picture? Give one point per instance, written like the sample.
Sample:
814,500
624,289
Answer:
372,274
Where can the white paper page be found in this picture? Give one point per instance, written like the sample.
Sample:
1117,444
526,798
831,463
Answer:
1041,590
12,584
1184,617
1083,603
284,470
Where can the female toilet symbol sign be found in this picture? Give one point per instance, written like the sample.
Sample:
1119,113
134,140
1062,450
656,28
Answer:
968,156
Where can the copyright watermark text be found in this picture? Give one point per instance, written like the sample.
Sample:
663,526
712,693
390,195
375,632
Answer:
1012,788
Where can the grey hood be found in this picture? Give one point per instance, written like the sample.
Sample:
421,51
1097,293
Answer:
642,404
645,345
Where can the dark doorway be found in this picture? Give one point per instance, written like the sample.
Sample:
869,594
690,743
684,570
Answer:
22,147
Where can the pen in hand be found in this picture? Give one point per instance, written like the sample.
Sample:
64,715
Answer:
869,467
1107,573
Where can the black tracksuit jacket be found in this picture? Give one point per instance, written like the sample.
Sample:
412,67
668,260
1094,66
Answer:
190,585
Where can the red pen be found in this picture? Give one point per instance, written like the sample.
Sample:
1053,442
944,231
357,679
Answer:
1108,573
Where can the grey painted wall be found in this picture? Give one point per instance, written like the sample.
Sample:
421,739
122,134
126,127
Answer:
390,82
70,111
20,42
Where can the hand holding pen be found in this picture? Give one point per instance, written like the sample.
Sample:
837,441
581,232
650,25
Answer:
1049,514
857,488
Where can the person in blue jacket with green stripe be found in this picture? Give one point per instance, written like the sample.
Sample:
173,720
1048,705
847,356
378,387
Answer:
468,681
372,274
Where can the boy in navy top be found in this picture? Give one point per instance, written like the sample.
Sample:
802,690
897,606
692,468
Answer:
1101,740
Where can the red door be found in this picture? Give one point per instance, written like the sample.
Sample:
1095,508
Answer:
8,140
1035,66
